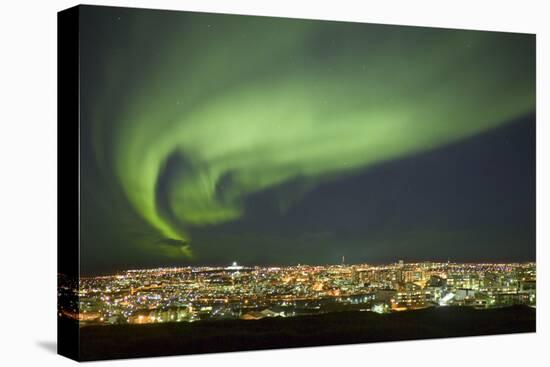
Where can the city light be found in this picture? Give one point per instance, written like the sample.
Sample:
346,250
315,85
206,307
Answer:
190,294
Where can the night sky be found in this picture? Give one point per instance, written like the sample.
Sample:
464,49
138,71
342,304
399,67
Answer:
207,139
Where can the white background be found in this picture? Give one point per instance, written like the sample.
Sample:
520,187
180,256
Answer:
28,182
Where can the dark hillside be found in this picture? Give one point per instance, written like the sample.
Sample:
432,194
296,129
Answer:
126,341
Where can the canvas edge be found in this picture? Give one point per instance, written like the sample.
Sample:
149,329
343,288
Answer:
68,170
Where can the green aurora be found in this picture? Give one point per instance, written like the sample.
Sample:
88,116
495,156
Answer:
189,114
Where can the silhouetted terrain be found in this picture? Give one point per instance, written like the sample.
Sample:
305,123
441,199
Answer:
126,341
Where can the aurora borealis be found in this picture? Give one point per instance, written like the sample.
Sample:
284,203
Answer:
209,138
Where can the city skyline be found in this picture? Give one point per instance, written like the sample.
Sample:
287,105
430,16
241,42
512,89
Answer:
188,294
336,263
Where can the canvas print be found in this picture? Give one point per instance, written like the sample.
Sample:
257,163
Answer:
232,182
